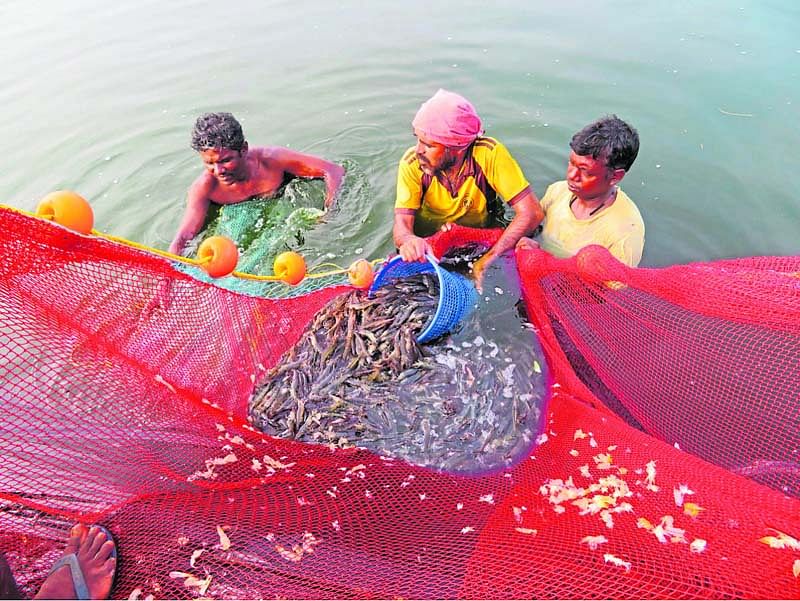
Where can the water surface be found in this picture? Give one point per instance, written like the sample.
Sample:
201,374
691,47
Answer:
101,97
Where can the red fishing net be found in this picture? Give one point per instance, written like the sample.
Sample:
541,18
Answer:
668,467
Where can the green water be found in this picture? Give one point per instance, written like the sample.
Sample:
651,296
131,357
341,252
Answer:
100,97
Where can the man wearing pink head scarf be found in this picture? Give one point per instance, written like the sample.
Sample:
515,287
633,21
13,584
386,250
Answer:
455,175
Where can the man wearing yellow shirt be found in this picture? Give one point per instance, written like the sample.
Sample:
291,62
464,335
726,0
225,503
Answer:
454,175
589,207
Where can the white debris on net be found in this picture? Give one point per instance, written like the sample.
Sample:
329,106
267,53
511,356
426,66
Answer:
195,555
650,480
296,553
209,473
275,464
612,559
358,470
224,541
192,581
603,461
522,530
781,541
162,381
594,541
665,531
680,492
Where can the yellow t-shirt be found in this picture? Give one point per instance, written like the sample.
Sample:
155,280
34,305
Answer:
488,170
619,227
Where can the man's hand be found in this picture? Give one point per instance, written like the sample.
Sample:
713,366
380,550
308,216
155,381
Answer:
479,268
333,181
197,204
306,165
526,242
178,245
410,246
414,249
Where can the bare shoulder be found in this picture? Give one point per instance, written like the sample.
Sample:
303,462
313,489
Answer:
266,153
279,158
202,187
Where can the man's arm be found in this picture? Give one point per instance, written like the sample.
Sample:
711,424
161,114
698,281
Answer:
528,215
411,246
306,165
197,203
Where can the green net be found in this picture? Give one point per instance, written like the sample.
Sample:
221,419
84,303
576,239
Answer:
262,228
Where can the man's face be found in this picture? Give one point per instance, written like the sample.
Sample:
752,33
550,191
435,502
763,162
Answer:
433,157
224,164
590,179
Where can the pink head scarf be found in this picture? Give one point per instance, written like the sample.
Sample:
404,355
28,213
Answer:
447,118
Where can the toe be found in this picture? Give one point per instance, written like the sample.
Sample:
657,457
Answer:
105,551
77,535
97,538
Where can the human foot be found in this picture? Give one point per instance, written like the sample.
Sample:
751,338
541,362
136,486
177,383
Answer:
86,570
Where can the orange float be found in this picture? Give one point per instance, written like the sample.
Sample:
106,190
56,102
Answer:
218,255
290,267
67,208
361,274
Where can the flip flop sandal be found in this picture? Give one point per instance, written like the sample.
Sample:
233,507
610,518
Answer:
78,580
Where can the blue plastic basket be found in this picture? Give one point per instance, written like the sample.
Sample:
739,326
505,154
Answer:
457,294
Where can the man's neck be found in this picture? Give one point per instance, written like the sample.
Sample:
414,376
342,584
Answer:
583,209
452,171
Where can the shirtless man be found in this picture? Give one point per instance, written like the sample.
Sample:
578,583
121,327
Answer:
234,172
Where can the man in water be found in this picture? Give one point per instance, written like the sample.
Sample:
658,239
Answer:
589,207
234,172
454,175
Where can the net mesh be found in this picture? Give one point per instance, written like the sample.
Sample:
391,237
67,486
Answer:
125,382
262,229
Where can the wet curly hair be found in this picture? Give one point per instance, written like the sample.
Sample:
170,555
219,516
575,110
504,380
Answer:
609,137
217,130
